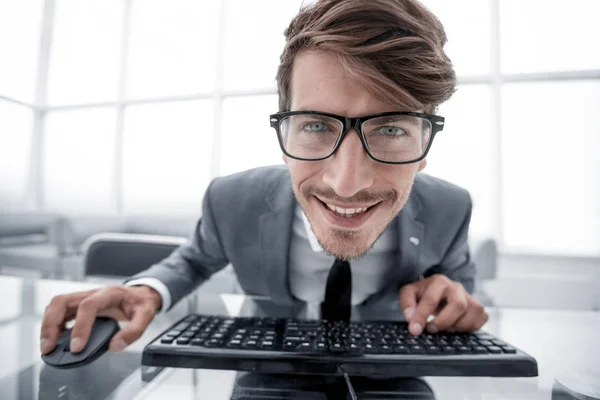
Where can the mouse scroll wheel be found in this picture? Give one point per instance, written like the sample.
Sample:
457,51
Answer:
67,347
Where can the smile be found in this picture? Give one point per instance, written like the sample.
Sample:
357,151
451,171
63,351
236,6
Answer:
346,212
353,216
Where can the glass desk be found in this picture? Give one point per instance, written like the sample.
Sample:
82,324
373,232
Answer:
563,342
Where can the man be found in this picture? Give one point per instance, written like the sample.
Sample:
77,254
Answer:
359,81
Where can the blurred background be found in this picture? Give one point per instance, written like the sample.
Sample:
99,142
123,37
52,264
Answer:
116,114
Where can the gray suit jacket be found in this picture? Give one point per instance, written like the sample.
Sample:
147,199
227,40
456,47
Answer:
247,221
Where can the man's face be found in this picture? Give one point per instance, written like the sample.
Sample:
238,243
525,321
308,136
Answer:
350,179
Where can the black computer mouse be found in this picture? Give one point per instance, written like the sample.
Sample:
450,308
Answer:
61,357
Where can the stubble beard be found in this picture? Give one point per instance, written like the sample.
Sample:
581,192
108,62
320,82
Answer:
346,244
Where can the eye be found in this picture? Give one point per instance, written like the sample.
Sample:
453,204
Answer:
390,131
315,126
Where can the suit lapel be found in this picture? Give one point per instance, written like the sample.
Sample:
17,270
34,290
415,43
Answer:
275,239
411,237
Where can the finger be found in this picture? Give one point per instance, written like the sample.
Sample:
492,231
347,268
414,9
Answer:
428,304
87,312
472,320
409,296
133,330
60,309
456,306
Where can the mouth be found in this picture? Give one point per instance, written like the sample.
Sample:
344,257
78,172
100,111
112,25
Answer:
352,217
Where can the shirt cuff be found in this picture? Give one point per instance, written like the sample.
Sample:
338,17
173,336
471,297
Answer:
157,285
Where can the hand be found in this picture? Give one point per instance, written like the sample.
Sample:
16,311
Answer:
454,309
137,304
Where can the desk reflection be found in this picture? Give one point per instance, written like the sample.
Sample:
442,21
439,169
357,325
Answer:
306,387
114,376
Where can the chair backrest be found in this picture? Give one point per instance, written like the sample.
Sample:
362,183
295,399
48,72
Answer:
124,254
484,252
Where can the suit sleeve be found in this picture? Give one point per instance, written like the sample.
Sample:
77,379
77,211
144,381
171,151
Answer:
194,262
457,263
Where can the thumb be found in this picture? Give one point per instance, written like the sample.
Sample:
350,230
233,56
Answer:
408,299
133,330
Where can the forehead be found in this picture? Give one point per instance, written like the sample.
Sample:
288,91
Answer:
320,83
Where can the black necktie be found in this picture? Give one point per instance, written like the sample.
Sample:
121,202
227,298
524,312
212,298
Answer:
338,292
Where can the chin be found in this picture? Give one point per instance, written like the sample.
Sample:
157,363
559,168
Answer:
344,244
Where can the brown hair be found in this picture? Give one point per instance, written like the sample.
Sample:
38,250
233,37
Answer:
394,48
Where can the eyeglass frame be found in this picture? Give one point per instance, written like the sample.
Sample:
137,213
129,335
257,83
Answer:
437,125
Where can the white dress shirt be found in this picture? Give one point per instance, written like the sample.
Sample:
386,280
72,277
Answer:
309,266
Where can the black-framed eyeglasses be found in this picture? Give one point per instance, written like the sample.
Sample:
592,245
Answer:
391,137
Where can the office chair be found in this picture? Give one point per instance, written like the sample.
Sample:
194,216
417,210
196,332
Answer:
121,255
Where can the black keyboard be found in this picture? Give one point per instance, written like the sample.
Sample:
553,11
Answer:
380,348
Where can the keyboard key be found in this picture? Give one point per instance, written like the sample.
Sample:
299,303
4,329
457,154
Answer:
483,336
480,350
449,349
183,341
304,346
321,346
509,349
485,343
337,348
499,342
197,342
416,349
465,349
167,340
494,349
433,349
386,349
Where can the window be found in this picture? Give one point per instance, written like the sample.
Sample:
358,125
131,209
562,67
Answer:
463,152
248,141
20,36
254,40
172,50
551,167
461,42
78,160
16,127
549,35
85,52
167,157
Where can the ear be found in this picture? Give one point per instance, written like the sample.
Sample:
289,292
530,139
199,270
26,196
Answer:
422,164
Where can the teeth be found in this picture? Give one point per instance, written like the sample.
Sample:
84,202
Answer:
347,211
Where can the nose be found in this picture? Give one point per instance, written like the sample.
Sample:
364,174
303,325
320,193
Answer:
349,170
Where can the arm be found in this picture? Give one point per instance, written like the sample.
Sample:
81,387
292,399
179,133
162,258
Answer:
445,291
192,263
